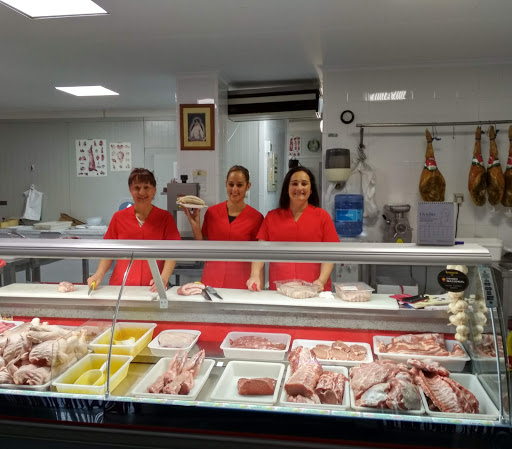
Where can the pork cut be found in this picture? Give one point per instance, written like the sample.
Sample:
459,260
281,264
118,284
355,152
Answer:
65,287
314,399
304,380
495,178
256,386
507,195
367,375
424,344
331,387
192,288
477,181
254,342
175,339
432,184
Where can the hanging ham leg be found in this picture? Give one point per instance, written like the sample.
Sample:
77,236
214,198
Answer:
432,183
477,183
507,196
495,178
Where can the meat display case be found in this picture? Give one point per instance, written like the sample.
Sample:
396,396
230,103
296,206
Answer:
125,415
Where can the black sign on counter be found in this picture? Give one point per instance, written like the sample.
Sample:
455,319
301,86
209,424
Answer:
453,280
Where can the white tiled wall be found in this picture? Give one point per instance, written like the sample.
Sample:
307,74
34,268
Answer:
435,94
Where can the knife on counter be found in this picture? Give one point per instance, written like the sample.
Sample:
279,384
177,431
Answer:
91,288
208,292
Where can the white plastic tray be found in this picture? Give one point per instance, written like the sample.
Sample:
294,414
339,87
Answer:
487,409
227,386
421,411
53,225
255,354
16,324
346,396
160,351
450,363
310,344
141,389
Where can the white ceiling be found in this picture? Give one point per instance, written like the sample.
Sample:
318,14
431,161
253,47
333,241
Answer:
143,44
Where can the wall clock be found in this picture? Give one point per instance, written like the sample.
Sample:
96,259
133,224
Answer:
313,145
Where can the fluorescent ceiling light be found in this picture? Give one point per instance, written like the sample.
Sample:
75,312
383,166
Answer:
87,91
37,9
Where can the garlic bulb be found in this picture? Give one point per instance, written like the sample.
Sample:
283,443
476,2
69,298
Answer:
458,319
479,306
477,338
480,318
455,296
479,329
461,338
462,329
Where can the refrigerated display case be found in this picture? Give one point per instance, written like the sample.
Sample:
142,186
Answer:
118,409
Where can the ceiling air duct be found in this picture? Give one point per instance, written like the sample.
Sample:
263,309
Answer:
275,103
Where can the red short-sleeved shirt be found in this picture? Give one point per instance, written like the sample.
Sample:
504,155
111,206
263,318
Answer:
216,226
314,225
124,225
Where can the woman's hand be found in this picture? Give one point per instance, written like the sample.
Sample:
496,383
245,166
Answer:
254,284
321,284
193,215
152,286
96,278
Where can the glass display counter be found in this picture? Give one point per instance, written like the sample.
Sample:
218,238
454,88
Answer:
121,364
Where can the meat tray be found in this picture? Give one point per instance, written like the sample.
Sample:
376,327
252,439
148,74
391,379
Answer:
142,332
16,324
346,396
421,411
160,351
53,225
141,389
226,389
484,364
255,354
488,410
119,369
450,363
310,344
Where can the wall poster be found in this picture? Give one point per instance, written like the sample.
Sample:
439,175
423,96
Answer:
91,157
120,156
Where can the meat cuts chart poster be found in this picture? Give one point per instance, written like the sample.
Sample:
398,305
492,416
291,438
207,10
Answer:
91,157
294,148
120,156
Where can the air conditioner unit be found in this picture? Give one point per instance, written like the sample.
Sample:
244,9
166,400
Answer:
284,102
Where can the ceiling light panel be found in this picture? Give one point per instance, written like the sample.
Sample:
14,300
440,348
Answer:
87,91
39,9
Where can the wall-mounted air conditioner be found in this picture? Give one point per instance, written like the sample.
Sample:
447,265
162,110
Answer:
275,103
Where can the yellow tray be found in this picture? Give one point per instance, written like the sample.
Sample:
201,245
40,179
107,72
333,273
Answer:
142,332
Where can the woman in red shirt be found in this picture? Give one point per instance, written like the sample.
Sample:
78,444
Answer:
143,221
298,219
231,220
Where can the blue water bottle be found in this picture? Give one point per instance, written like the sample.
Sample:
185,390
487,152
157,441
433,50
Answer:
349,215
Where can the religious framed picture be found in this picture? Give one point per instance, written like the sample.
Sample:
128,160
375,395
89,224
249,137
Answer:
197,126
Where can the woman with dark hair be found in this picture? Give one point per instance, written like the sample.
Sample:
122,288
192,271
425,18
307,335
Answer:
231,220
298,219
143,221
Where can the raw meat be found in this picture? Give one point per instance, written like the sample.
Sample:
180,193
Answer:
300,356
256,386
331,387
403,394
4,325
65,287
322,351
486,347
477,181
5,377
429,366
375,396
304,380
367,375
32,375
297,290
175,339
301,399
190,199
423,344
192,288
432,184
340,351
495,178
507,195
254,342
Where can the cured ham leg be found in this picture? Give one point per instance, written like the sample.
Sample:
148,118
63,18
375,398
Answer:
432,183
507,196
477,182
495,178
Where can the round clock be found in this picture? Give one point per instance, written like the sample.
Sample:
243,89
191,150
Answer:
347,117
313,145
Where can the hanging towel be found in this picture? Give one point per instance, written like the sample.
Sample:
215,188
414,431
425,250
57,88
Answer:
33,203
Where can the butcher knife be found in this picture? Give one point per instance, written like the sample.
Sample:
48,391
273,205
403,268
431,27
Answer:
91,288
212,291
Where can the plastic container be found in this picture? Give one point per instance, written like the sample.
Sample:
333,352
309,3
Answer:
119,365
353,291
297,288
348,213
12,324
53,225
161,351
346,395
255,354
141,389
448,362
142,332
420,411
227,386
310,344
469,381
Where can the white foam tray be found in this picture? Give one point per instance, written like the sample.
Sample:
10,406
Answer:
310,344
16,324
346,396
226,389
141,389
450,363
161,351
421,411
487,409
255,354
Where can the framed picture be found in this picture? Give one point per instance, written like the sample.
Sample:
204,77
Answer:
197,126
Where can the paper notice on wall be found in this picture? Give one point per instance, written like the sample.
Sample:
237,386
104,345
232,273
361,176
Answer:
294,147
91,157
201,177
120,156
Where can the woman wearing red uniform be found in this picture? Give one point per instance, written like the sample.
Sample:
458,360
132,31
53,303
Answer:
231,220
298,219
143,221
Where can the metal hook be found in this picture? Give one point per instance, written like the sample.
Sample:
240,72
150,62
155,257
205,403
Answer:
361,147
453,132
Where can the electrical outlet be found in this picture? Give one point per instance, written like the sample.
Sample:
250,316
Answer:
458,198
